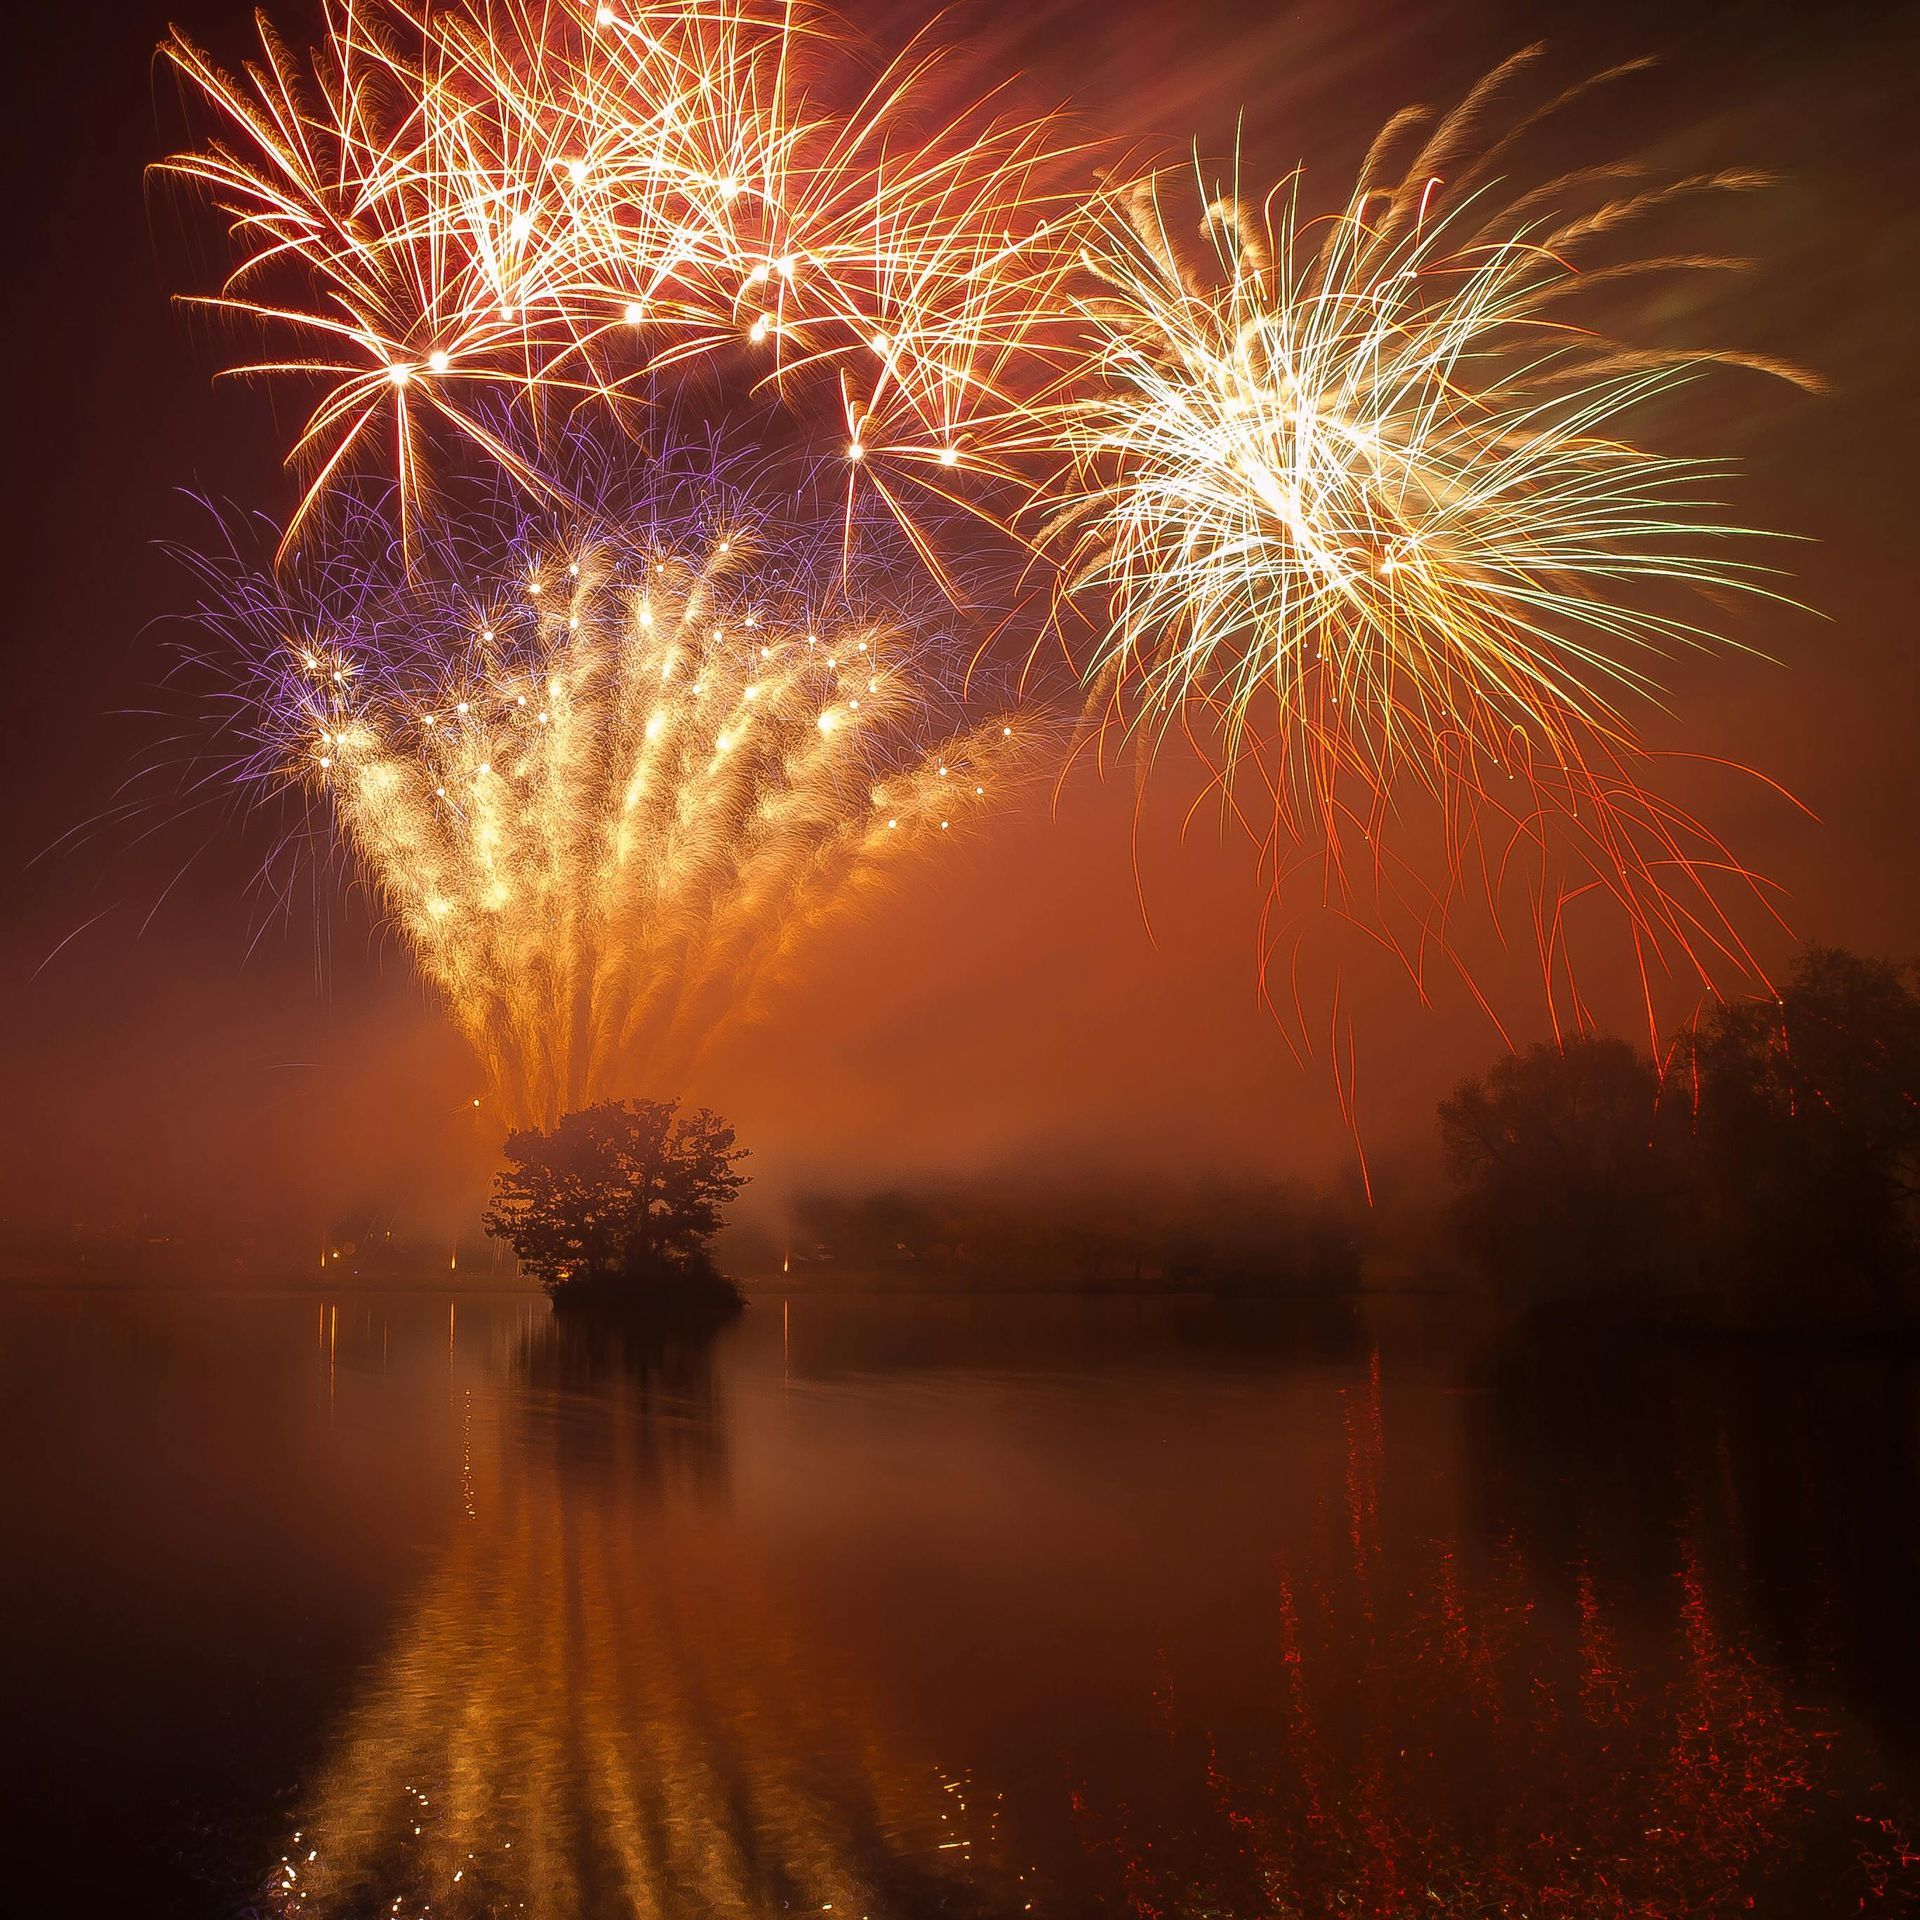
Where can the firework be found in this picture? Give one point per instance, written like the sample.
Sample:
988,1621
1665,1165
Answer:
1357,506
604,779
566,206
1365,508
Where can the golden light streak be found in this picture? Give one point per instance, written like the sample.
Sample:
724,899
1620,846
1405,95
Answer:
594,1705
607,826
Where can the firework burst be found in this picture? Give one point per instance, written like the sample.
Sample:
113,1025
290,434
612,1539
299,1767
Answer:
573,205
1358,506
604,780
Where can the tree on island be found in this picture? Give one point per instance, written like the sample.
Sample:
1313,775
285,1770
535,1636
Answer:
617,1203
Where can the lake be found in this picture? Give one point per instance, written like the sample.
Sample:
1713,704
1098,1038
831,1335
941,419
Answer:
409,1603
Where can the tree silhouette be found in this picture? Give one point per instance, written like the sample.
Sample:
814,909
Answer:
1774,1153
619,1200
1807,1127
1566,1186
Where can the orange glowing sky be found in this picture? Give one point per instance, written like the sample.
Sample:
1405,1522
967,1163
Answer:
1060,990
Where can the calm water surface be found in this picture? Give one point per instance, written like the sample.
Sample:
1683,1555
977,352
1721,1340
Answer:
388,1605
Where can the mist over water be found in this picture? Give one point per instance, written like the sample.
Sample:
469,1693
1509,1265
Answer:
388,1603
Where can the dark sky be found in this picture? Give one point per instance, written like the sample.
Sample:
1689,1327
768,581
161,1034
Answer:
174,1059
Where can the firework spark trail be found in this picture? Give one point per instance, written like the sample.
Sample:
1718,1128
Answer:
568,203
605,784
1353,506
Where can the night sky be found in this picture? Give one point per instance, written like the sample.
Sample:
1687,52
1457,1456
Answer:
173,1054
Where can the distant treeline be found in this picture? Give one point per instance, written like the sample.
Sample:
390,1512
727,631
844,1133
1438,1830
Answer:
1240,1237
1764,1171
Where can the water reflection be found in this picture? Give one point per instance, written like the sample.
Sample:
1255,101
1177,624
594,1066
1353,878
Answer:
1456,1727
590,1713
1526,1680
642,1408
1465,1757
977,1606
1795,1476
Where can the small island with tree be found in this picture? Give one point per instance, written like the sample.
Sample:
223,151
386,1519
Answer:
613,1208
